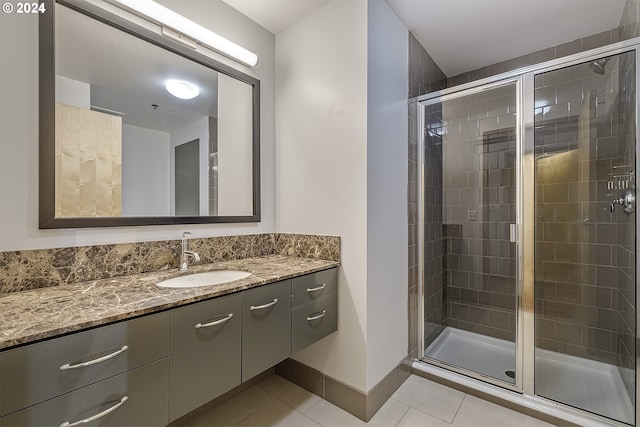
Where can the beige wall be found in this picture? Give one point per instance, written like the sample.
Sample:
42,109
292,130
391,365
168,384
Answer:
321,163
341,169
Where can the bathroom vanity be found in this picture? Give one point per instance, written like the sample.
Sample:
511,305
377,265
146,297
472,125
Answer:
128,352
88,347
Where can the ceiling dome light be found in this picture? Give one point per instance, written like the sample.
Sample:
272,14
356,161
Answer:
182,90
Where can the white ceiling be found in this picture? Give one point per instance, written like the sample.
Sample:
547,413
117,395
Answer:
128,75
463,35
276,15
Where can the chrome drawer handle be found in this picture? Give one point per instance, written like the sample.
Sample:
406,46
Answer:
215,322
316,316
67,366
318,288
96,416
267,305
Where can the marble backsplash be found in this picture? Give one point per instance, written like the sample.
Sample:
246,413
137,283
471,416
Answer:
41,268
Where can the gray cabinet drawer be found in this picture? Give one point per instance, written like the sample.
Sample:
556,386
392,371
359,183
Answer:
266,327
145,389
32,374
314,286
205,352
313,321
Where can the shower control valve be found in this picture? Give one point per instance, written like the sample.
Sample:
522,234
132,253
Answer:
628,201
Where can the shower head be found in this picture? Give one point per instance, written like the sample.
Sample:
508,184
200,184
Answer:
598,65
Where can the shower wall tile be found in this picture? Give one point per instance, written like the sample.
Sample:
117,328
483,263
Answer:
479,196
624,254
569,48
433,273
424,76
596,40
629,22
580,275
521,61
543,55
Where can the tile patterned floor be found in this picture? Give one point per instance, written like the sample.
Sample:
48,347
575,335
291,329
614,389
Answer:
418,402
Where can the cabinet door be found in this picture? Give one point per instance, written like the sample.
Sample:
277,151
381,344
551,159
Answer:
313,321
205,352
266,324
36,372
135,398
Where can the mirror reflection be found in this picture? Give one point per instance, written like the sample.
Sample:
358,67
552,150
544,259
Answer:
143,132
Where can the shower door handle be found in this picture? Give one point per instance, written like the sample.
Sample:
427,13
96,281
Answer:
513,233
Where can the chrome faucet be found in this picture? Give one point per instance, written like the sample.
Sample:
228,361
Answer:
186,253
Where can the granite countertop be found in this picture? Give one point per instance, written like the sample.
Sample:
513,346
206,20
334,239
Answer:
34,315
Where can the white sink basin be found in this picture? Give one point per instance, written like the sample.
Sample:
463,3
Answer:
204,279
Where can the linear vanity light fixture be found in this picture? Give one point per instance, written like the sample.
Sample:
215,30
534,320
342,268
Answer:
179,23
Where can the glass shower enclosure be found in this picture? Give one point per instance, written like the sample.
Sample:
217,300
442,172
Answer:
528,231
470,286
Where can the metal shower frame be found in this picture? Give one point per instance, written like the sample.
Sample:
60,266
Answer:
525,315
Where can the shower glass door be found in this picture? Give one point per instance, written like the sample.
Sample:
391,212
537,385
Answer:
585,297
470,197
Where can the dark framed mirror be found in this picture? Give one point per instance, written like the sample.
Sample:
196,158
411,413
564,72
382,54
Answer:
120,147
